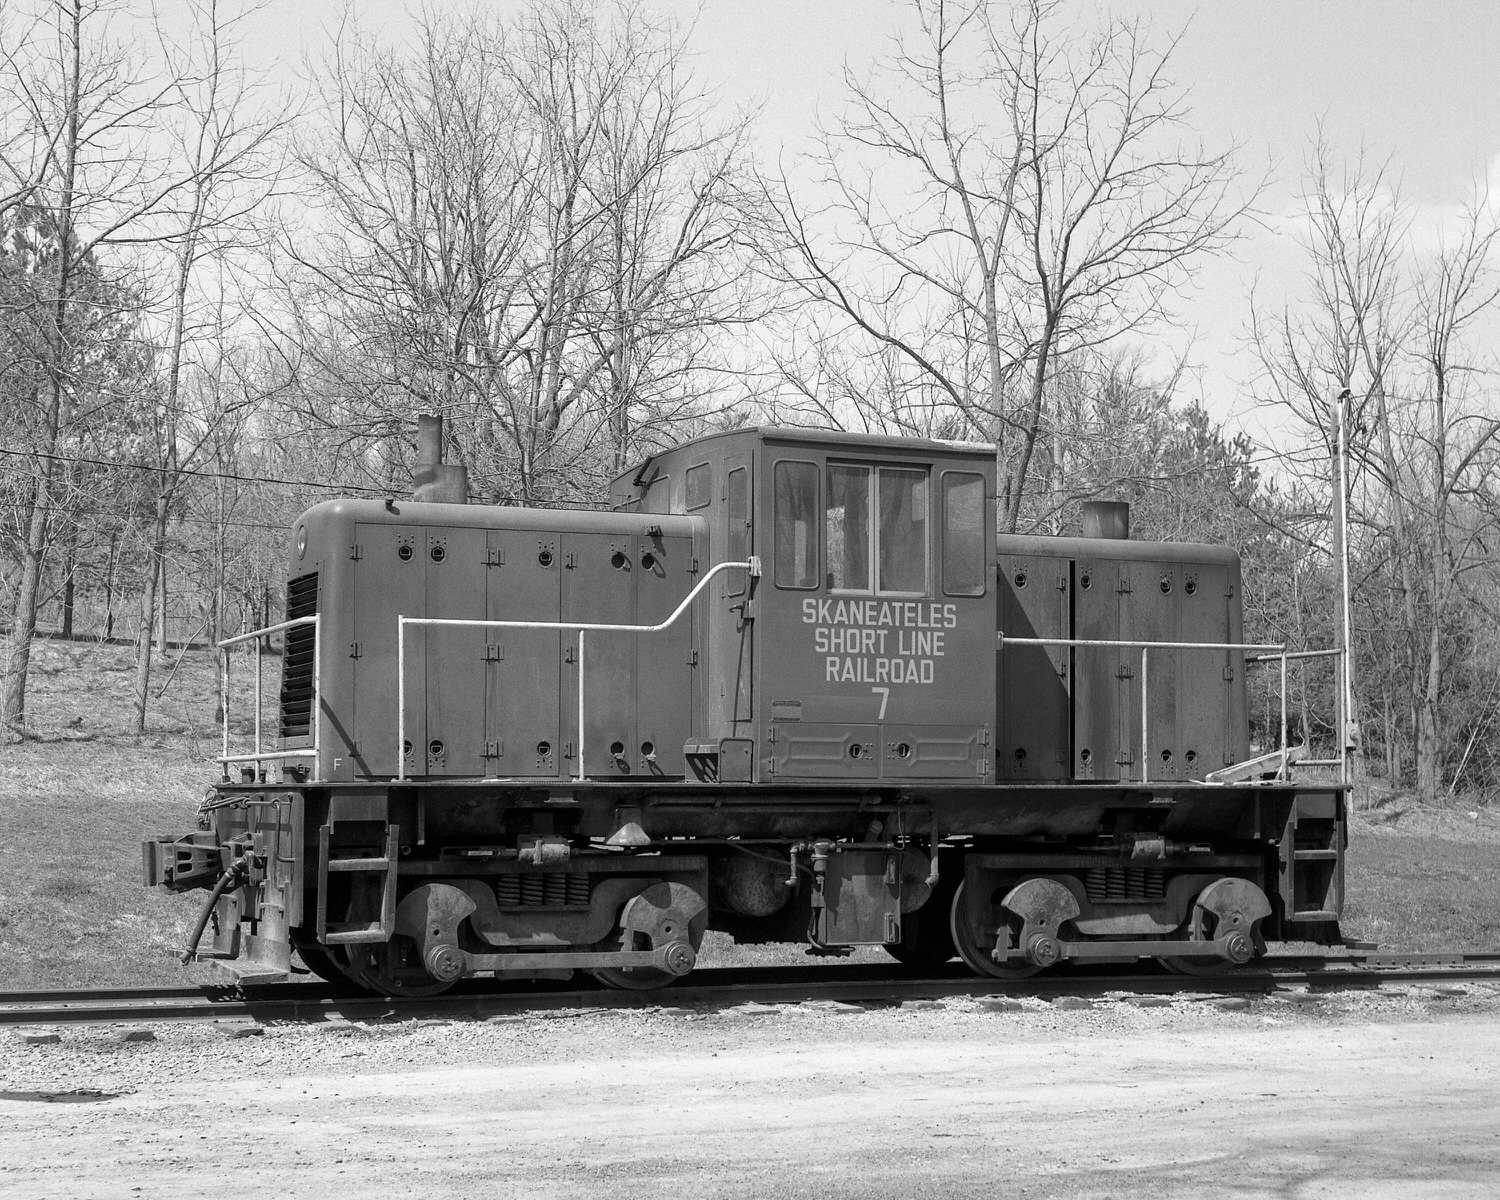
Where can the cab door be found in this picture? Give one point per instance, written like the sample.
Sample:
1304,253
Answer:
731,705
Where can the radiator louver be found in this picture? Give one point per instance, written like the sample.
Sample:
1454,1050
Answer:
297,658
1123,885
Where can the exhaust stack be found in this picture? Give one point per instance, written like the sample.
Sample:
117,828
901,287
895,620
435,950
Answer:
434,481
1106,519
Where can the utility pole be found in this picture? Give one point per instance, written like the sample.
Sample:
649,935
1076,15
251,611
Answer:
1348,724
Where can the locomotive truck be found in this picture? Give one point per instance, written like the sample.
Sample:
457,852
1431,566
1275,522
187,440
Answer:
792,686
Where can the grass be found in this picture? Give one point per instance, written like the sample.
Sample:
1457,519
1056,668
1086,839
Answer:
80,795
1430,883
76,800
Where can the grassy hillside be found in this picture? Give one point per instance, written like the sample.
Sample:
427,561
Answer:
77,799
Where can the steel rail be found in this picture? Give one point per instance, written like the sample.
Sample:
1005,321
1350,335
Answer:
730,986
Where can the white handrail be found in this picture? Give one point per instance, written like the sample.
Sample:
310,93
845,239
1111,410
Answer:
264,756
752,565
1274,652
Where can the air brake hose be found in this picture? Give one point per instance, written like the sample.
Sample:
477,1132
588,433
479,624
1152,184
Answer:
238,872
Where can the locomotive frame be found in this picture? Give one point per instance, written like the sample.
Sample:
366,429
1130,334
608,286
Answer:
793,686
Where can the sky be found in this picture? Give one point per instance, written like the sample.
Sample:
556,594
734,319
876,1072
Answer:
1417,81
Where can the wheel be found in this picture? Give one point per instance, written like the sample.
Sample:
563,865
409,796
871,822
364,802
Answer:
926,935
632,979
972,946
1204,927
330,966
643,979
392,968
1207,965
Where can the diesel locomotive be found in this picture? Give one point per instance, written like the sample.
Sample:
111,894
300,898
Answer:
792,686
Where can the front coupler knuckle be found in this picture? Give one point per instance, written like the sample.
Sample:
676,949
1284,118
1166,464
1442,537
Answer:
182,864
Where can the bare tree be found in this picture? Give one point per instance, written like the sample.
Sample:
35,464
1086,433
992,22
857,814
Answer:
1394,324
554,289
1005,192
221,140
66,102
89,145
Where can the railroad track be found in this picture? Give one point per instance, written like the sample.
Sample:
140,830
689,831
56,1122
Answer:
722,987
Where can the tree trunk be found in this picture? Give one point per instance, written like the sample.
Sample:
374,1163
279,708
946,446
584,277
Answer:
161,593
109,586
1429,725
148,613
1015,483
67,597
18,656
18,653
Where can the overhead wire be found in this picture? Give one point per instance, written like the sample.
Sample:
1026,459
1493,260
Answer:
198,473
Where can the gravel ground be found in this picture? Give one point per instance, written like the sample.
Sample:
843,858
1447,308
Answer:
1302,1095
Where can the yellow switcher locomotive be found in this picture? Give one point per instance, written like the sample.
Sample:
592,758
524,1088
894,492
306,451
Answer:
792,686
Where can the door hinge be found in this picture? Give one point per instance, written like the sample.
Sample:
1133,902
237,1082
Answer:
692,658
1124,584
353,649
494,750
494,651
1228,673
570,655
1123,671
494,556
355,552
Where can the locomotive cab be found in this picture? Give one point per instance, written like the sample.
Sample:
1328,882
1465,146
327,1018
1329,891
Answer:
864,651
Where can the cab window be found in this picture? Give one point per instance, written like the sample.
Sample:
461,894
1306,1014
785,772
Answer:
738,489
699,486
794,509
876,518
903,531
846,526
963,533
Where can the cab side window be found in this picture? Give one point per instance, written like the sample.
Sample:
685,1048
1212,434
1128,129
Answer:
846,525
963,533
903,531
794,511
699,486
876,518
738,488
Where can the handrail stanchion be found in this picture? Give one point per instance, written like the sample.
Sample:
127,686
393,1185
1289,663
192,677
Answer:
401,699
580,706
1283,772
317,691
224,703
258,704
1349,695
1145,718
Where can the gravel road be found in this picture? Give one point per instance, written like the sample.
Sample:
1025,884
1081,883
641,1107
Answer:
1298,1096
